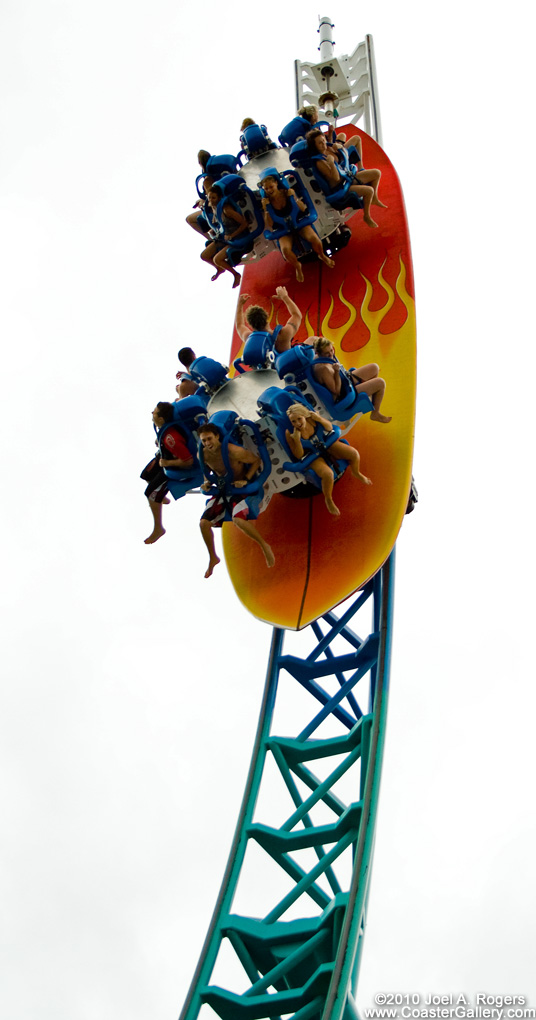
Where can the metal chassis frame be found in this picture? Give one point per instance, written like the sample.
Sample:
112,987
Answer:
359,70
328,956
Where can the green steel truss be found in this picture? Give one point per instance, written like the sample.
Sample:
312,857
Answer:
305,876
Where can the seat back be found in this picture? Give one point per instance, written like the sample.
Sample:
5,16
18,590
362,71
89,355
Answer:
210,374
217,167
190,411
258,350
292,365
297,129
255,139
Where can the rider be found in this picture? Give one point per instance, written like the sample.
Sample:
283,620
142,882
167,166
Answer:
256,318
365,379
232,225
180,457
305,424
364,182
244,466
278,200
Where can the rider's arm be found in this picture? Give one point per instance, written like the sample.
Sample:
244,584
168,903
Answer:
295,443
268,221
245,457
327,378
293,323
241,325
322,421
299,201
165,463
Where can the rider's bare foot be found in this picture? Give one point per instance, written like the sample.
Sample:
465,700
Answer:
268,555
364,478
378,416
329,262
299,273
155,535
376,201
237,280
213,562
218,273
332,508
369,221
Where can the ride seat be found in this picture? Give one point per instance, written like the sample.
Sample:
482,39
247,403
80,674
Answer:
188,414
297,219
274,403
259,350
338,196
209,374
297,129
217,167
232,429
237,193
296,367
255,140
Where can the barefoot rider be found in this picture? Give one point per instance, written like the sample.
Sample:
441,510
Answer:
244,466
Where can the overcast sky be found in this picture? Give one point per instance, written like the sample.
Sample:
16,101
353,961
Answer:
131,686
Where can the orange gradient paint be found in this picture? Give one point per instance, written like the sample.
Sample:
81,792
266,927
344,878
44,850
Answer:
365,306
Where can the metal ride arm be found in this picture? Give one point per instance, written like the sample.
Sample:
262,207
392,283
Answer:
300,955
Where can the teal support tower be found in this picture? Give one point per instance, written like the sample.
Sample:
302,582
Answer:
301,955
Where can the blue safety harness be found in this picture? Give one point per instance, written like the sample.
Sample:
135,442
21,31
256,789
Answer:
296,367
274,403
337,195
222,486
188,414
236,193
296,218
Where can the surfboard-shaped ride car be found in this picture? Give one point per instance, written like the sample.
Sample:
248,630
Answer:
365,307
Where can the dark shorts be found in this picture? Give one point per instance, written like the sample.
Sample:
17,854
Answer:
203,223
355,380
218,241
158,483
217,509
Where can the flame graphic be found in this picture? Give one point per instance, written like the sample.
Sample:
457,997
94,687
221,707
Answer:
372,324
379,329
365,328
335,334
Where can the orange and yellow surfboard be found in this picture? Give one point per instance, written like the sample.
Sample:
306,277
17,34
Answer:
365,306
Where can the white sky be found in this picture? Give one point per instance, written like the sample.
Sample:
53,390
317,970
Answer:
131,686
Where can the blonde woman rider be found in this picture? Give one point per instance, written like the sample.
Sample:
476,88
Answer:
305,422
